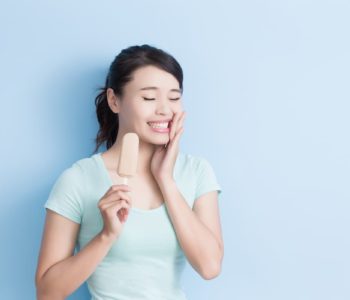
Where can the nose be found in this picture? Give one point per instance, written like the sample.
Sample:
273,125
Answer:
163,107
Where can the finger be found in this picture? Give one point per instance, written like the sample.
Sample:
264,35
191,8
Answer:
179,122
177,136
117,187
182,118
105,206
174,125
116,195
122,214
176,139
120,210
174,144
118,204
173,147
119,195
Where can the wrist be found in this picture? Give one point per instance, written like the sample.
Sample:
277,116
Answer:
106,238
166,185
164,181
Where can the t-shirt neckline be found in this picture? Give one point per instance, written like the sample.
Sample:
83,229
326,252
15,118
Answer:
110,182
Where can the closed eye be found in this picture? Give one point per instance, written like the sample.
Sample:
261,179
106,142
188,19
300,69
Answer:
149,99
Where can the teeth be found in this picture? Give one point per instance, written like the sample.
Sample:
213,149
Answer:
159,125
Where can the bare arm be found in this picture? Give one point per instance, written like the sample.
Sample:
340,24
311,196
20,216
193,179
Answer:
198,231
59,273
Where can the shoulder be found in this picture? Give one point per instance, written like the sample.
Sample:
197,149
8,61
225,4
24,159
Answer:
195,163
72,181
76,172
82,166
196,173
193,166
85,163
69,191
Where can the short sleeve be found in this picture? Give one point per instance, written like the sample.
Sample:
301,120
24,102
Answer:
66,194
206,180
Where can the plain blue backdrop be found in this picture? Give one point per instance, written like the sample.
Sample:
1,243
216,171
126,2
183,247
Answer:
266,90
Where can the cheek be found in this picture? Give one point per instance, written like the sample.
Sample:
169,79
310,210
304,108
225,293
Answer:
137,112
177,107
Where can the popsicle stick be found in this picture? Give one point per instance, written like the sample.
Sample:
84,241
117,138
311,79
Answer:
125,180
124,211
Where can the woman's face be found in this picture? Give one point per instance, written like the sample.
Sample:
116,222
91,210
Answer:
153,95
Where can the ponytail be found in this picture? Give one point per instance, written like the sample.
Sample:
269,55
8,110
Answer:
108,120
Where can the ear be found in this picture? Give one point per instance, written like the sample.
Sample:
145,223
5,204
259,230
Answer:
113,101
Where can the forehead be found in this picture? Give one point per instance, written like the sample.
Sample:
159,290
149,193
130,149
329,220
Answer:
151,76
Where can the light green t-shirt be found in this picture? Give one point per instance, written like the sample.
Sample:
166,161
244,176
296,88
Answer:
146,261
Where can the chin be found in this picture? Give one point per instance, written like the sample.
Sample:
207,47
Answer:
158,141
162,141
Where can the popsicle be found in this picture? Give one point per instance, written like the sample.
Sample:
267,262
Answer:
128,156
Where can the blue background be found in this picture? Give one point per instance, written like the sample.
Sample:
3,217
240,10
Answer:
266,90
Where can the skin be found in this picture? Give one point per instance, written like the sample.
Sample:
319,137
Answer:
134,113
155,161
60,272
196,229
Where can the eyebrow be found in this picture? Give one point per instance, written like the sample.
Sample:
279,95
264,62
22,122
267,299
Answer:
155,88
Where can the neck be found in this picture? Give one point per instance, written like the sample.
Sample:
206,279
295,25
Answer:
146,151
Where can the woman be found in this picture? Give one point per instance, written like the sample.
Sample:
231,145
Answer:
133,240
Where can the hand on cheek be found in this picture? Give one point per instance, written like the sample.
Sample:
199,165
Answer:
176,124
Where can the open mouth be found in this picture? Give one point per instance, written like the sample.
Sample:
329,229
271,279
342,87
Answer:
160,125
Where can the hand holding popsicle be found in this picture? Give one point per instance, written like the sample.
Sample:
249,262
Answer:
116,202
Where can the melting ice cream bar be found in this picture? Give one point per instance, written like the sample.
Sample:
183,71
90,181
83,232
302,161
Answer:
128,156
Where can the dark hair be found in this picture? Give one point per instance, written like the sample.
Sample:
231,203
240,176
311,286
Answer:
120,73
